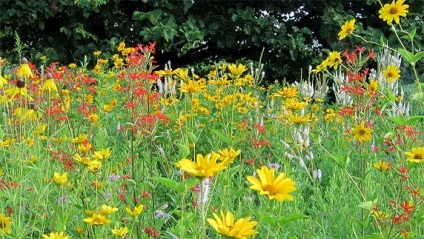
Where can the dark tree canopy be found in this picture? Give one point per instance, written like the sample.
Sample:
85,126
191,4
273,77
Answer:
292,33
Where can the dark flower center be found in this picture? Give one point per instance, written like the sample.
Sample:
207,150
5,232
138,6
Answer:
393,10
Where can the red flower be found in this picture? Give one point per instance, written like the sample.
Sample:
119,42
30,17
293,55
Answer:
407,207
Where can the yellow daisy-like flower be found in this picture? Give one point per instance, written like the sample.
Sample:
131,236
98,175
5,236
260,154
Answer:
102,154
120,232
225,225
276,188
60,179
97,219
5,224
334,59
205,166
319,68
416,155
286,92
347,29
56,235
392,73
362,133
228,155
381,166
393,11
237,70
108,210
192,86
136,211
79,139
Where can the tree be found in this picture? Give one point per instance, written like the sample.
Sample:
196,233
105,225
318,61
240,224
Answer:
293,34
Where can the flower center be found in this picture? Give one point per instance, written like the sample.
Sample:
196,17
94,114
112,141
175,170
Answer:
2,225
418,156
393,10
361,132
269,188
390,74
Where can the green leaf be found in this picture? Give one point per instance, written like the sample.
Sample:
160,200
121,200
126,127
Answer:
412,119
397,120
408,56
239,138
372,236
183,150
290,218
418,56
221,136
170,183
369,205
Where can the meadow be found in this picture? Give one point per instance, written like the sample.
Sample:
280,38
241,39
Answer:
125,150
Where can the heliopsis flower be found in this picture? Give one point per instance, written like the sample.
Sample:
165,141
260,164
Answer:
347,29
276,188
94,166
192,86
225,225
320,67
56,235
392,73
334,59
97,219
5,224
393,11
136,211
228,155
79,139
108,210
382,166
237,70
60,179
362,133
102,154
416,155
205,166
120,232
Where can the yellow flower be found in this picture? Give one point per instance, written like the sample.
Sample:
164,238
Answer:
97,53
276,188
60,179
320,67
362,133
416,155
237,70
102,154
3,81
108,210
287,92
228,155
5,224
94,166
392,73
225,225
192,86
347,29
79,139
84,147
120,232
56,235
334,59
372,86
381,166
205,166
49,85
393,11
24,69
136,211
97,219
